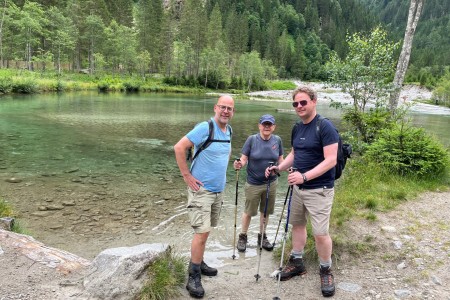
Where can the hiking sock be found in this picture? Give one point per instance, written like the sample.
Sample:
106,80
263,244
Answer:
297,254
325,264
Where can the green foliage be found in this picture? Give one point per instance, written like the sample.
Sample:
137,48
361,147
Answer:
5,209
367,68
280,85
5,85
166,274
365,126
410,151
441,95
24,86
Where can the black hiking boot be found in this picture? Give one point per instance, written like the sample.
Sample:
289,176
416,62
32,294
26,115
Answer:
207,270
242,242
326,282
265,242
194,284
294,267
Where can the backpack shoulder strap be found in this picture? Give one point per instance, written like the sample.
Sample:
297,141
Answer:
208,140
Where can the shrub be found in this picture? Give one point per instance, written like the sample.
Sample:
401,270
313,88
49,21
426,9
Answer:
131,86
24,86
5,85
408,150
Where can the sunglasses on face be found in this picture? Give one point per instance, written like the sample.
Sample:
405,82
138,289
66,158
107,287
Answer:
225,108
267,124
301,102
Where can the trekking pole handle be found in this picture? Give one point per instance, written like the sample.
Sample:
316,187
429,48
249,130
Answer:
271,164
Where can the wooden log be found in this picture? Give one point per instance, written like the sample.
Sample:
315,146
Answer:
61,260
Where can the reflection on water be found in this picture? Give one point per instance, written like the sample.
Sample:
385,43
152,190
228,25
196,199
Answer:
99,169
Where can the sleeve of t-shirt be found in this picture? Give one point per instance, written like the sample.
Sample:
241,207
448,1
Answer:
247,146
199,133
329,134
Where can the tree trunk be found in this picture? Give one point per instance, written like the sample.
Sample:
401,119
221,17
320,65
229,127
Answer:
1,34
415,10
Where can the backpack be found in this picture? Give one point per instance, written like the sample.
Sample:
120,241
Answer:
207,142
344,150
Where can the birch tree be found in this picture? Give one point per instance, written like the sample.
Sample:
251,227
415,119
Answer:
415,10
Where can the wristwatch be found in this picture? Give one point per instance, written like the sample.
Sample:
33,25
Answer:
304,177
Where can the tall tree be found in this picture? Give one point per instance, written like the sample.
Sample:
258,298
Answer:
415,10
192,24
121,11
94,32
31,23
62,35
148,23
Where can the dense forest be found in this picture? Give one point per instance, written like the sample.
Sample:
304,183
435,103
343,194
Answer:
431,46
215,43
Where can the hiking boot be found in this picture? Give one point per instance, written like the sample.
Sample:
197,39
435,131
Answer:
294,267
265,242
326,282
207,270
242,242
194,284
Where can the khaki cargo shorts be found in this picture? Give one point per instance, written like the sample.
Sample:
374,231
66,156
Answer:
255,196
315,204
204,209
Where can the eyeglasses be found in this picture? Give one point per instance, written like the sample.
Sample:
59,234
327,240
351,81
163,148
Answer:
225,108
301,102
267,124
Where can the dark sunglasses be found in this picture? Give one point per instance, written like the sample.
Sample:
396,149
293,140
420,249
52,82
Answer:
301,102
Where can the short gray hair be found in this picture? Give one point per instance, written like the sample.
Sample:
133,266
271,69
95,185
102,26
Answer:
307,90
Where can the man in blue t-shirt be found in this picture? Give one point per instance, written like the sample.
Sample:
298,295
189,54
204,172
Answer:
206,181
314,155
258,151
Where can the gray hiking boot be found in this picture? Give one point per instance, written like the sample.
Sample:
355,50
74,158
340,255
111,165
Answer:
194,284
294,267
242,242
265,242
207,270
327,282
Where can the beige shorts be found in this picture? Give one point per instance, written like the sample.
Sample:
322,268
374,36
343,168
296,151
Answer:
204,209
315,204
255,196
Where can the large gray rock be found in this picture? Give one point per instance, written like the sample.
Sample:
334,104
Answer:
117,273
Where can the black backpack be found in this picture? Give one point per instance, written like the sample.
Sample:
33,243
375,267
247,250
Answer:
344,150
208,141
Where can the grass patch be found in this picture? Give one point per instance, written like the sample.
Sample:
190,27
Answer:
280,85
166,274
5,209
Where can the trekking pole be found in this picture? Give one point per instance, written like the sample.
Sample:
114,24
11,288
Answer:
286,229
281,217
235,210
264,223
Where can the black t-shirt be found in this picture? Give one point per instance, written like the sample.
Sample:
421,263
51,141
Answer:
308,150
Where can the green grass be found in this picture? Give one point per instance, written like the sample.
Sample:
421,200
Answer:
166,274
5,209
280,85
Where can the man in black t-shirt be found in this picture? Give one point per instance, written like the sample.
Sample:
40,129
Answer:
313,155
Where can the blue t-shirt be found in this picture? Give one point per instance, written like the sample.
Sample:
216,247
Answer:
260,153
308,150
210,166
